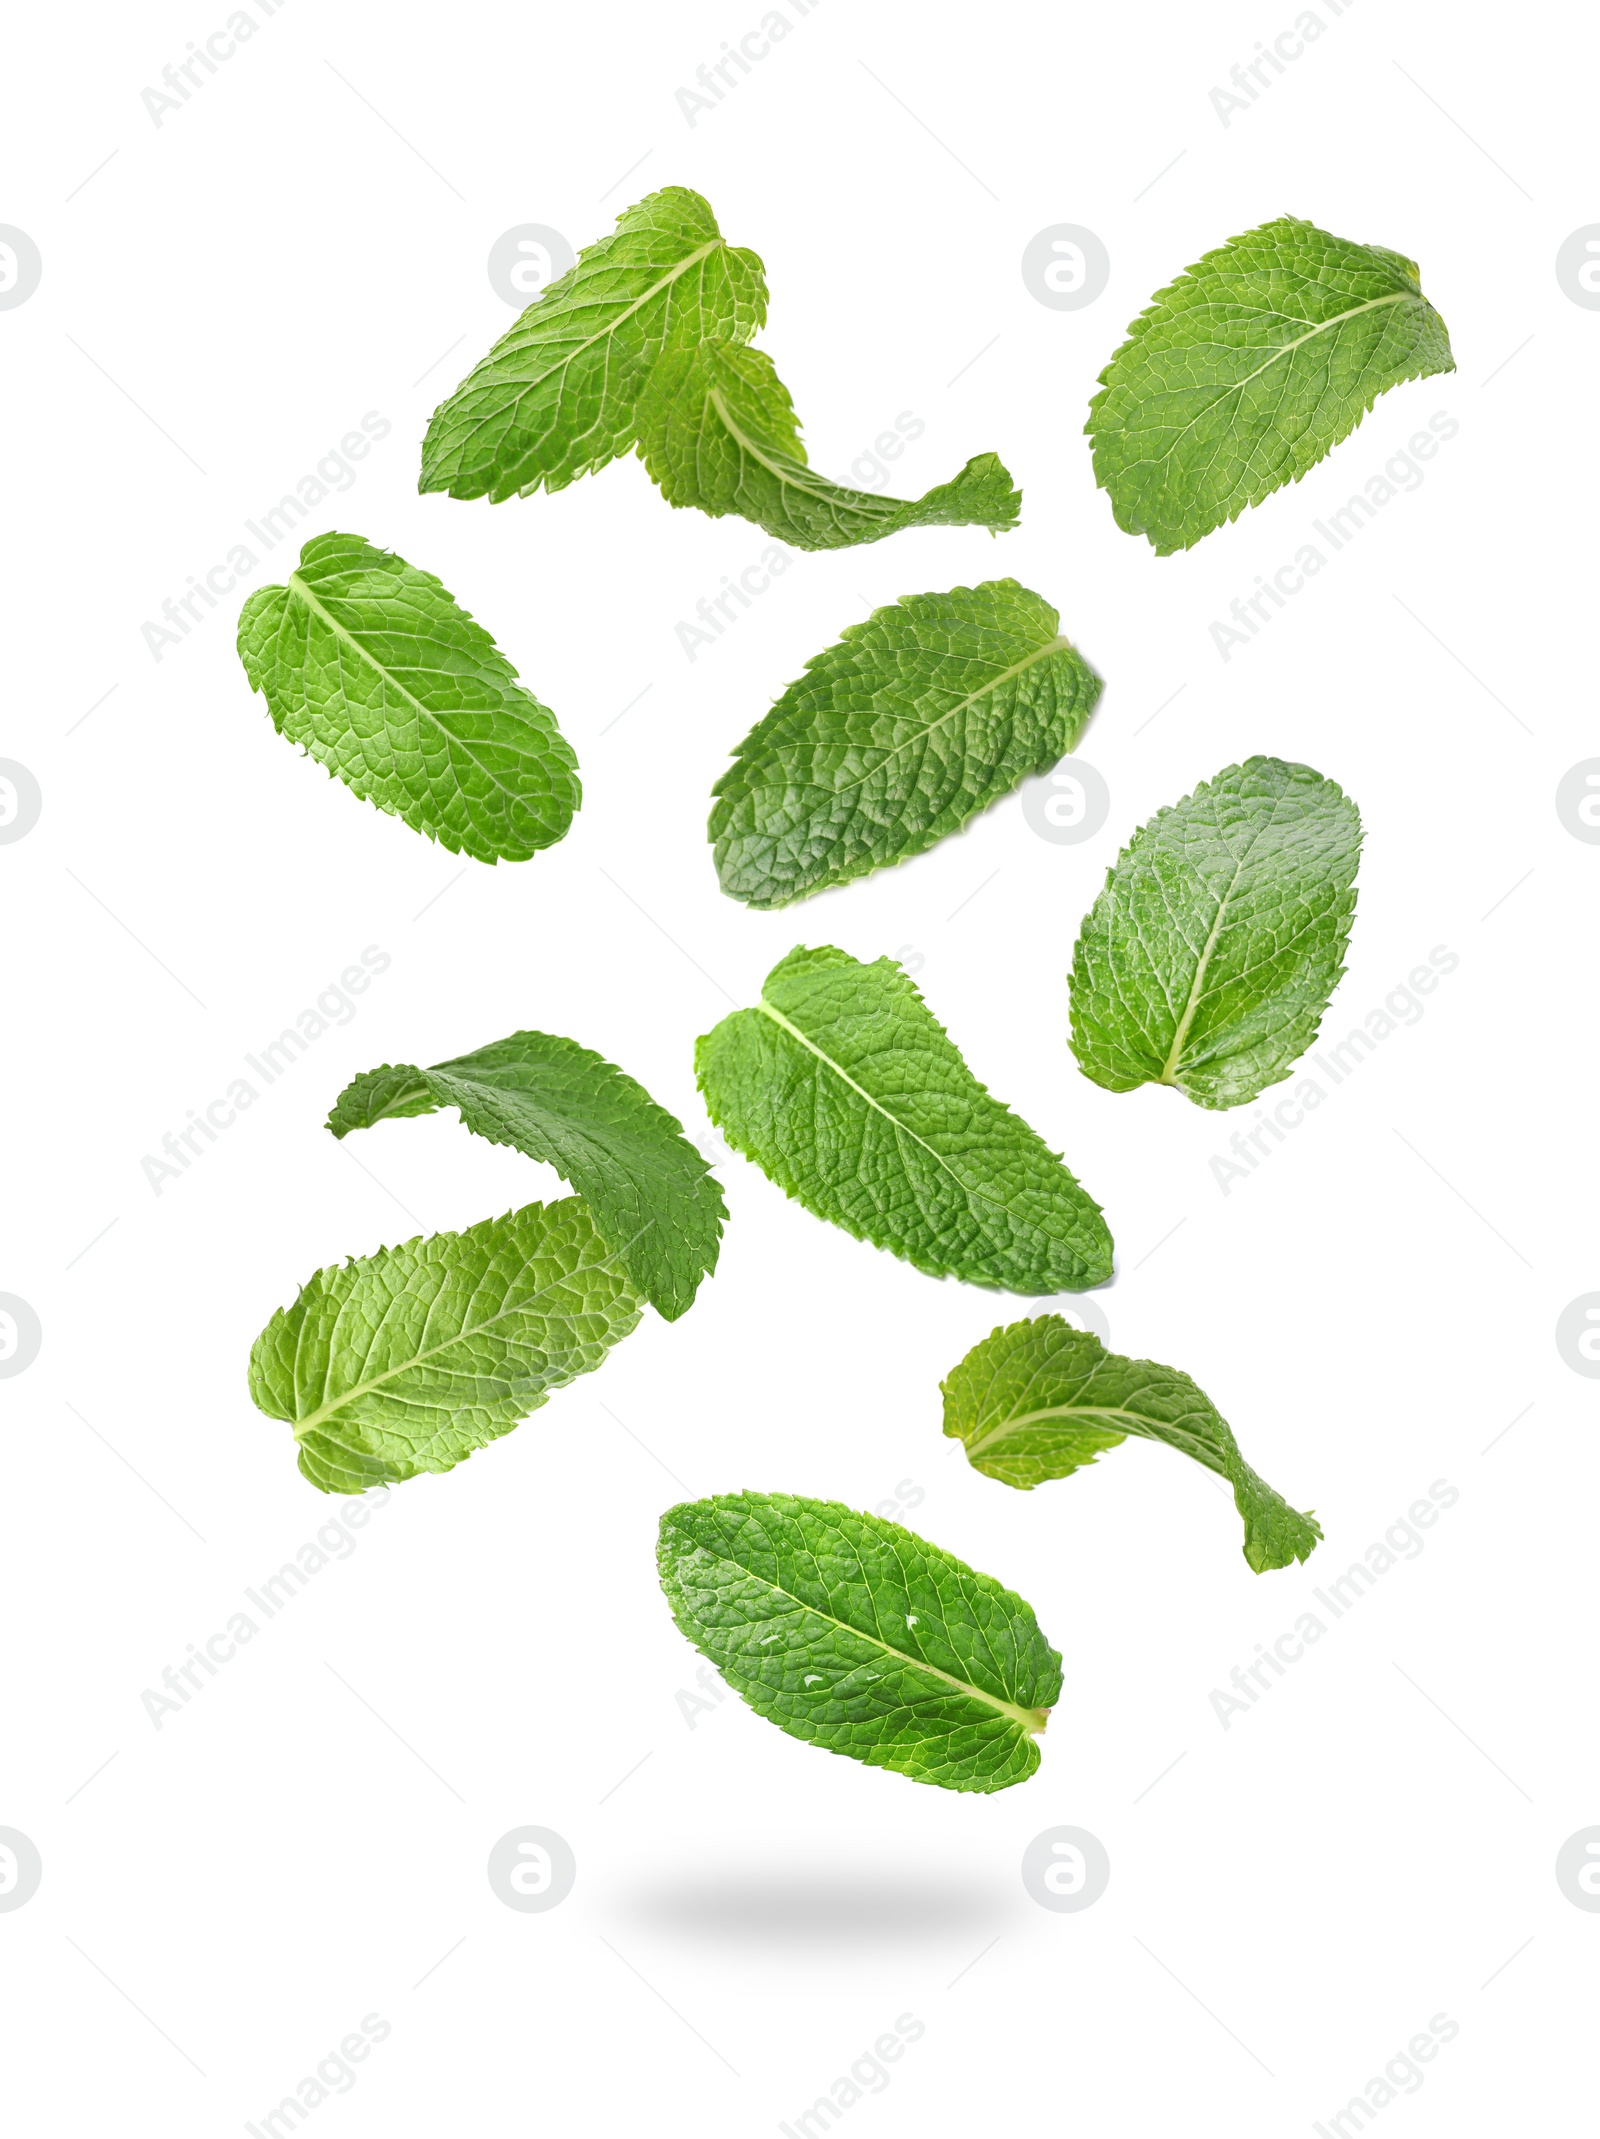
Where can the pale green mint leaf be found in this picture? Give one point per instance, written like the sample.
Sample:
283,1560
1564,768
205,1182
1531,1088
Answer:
649,1192
1249,368
554,398
857,1636
1041,1399
845,1091
717,430
369,665
895,737
410,1359
1208,959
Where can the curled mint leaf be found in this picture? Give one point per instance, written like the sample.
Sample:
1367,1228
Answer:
846,1091
717,430
410,1359
1248,369
1040,1399
555,397
894,737
861,1638
370,666
1208,959
648,1190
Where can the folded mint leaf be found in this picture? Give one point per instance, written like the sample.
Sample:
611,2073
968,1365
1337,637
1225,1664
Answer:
1249,368
397,1091
845,1091
893,738
861,1638
717,430
1208,959
1041,1399
370,666
410,1359
554,398
648,1190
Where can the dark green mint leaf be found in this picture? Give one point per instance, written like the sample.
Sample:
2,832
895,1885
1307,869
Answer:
857,1636
649,1191
895,737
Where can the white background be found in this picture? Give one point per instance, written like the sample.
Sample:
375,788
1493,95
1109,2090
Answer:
305,1843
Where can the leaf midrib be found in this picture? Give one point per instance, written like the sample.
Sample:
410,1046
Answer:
1284,349
967,1188
421,1089
1032,1720
299,587
682,267
302,1426
1060,644
1197,985
1126,1421
800,476
785,471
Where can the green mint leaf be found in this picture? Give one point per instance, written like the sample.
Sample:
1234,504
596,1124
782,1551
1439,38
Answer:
1041,1400
717,430
410,1359
554,398
895,737
1249,368
845,1091
857,1636
369,665
1208,959
649,1192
